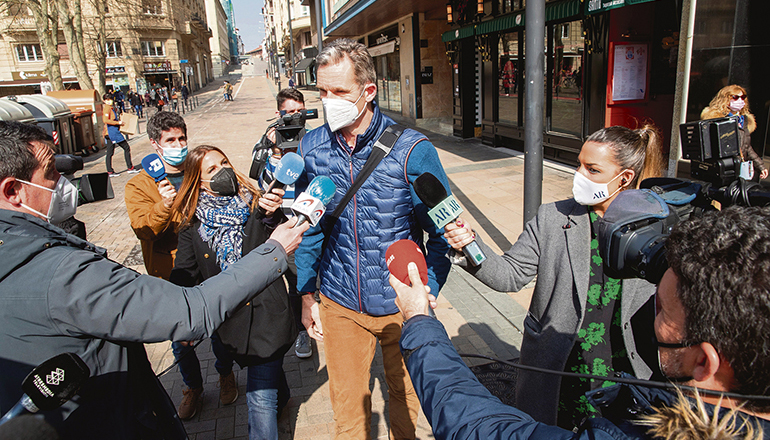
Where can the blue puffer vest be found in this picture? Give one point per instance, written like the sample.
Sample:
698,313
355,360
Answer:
353,272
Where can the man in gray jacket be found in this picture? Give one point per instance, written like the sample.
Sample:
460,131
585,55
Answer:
59,293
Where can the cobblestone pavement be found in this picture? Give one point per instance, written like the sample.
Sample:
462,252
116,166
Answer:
487,181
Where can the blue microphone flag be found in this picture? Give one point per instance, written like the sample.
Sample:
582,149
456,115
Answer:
153,164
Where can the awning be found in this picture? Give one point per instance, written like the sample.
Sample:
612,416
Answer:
499,24
597,6
457,34
556,11
34,82
303,64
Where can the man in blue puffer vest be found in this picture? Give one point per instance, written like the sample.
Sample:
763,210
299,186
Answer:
357,306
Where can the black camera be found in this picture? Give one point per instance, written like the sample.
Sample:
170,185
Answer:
289,130
713,147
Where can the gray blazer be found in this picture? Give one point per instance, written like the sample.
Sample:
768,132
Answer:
555,246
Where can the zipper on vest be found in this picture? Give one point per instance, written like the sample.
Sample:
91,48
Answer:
355,235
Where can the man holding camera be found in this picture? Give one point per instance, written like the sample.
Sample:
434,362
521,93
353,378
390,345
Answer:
267,154
61,294
713,331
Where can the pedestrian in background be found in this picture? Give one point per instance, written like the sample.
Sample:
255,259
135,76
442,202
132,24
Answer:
112,136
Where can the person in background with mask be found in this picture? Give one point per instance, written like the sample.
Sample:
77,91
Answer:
112,136
220,224
579,319
156,225
732,101
60,294
357,307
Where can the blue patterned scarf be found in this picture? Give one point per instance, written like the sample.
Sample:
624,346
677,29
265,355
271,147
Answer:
222,220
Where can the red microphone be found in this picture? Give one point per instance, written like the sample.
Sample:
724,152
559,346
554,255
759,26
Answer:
400,254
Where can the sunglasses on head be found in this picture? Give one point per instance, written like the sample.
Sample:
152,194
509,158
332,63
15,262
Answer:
737,97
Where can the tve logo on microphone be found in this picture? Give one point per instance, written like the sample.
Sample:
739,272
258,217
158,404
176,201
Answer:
445,212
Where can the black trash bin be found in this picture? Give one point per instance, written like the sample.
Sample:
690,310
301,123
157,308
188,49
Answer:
54,116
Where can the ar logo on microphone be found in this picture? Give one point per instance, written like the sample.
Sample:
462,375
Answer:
156,165
55,377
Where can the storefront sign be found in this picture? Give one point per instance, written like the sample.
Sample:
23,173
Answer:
114,69
596,6
182,61
27,74
159,66
427,75
382,49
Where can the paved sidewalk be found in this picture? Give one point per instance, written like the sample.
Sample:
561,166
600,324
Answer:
488,182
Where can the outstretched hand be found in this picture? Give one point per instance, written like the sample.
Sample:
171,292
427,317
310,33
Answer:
415,299
288,236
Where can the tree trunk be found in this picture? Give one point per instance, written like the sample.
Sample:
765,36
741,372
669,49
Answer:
100,43
77,58
47,28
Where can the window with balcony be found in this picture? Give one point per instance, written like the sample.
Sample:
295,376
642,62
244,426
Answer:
152,7
153,49
113,49
29,52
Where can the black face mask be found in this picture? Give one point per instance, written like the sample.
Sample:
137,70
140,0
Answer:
224,182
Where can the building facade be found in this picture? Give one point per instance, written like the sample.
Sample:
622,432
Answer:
220,37
149,42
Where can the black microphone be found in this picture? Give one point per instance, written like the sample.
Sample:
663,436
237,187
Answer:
444,209
50,384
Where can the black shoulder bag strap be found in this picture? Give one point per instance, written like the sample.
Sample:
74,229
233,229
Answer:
382,147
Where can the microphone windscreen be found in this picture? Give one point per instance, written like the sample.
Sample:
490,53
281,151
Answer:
27,427
322,188
55,381
289,168
400,254
153,164
429,189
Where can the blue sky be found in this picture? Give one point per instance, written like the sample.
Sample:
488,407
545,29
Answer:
248,20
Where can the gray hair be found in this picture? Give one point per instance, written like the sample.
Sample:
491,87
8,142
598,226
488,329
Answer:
362,61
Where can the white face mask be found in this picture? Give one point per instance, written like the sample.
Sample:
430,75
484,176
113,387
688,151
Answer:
64,201
590,193
341,113
737,105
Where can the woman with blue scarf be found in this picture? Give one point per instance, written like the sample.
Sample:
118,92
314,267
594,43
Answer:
220,224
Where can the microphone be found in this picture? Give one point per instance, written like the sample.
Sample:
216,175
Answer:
400,254
154,167
50,384
286,172
444,209
310,206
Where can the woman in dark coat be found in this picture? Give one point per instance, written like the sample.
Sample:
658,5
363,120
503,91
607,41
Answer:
221,223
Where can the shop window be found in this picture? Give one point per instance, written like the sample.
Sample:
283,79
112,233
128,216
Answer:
113,49
567,78
509,78
29,52
153,49
389,81
152,7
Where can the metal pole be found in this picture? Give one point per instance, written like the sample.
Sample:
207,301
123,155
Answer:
682,83
318,25
291,39
534,69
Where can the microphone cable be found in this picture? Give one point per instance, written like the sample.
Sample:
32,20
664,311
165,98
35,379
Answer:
176,362
624,380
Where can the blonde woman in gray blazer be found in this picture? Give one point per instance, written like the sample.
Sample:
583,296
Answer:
556,247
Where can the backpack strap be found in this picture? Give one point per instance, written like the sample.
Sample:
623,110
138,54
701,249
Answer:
382,147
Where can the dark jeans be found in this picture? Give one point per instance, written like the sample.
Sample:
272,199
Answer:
190,367
111,150
266,394
138,109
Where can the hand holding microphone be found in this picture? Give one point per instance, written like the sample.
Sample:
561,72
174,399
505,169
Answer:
310,206
153,165
444,210
286,173
408,277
